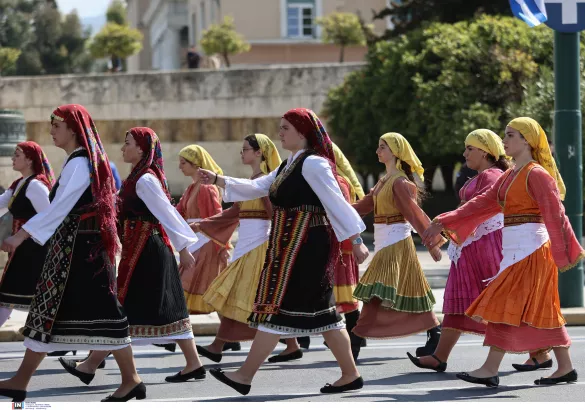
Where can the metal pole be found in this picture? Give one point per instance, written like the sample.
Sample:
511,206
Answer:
567,134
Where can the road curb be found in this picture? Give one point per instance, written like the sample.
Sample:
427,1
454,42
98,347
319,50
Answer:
208,325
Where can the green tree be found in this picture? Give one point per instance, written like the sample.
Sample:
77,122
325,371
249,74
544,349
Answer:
342,29
437,84
8,57
115,40
116,13
223,39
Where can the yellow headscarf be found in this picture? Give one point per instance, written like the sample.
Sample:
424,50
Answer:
536,137
487,141
198,156
270,153
404,152
345,170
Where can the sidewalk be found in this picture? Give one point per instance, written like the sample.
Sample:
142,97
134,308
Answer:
204,325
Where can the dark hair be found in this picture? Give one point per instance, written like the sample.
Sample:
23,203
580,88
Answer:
502,163
421,189
254,143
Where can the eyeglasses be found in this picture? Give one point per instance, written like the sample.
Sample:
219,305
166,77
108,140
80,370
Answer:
245,149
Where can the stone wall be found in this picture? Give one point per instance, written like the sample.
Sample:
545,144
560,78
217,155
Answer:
213,108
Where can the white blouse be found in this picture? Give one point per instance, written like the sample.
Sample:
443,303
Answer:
317,172
73,182
36,192
149,189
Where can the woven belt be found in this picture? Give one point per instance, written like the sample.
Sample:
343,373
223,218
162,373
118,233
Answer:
514,220
253,215
389,219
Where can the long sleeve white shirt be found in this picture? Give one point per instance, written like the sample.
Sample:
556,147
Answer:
73,182
317,172
36,192
149,190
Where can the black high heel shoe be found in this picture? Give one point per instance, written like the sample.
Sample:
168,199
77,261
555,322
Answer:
139,393
441,367
433,336
197,374
570,377
233,346
17,396
354,385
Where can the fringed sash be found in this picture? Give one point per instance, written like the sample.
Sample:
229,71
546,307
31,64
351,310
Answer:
289,231
134,237
53,279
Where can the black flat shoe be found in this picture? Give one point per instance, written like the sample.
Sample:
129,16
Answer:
102,365
197,374
433,336
138,393
304,341
71,367
170,347
530,367
214,357
17,396
297,354
493,381
61,353
241,388
570,377
441,367
354,385
233,346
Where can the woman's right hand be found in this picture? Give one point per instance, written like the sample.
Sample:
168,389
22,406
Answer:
206,177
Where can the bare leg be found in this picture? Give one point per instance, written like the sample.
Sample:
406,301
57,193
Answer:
264,343
447,341
338,342
291,346
28,366
190,352
564,360
92,362
491,365
130,378
216,346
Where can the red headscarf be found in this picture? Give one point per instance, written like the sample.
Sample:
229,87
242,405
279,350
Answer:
40,164
103,187
307,123
152,162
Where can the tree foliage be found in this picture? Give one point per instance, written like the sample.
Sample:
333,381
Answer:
437,84
223,39
116,40
49,43
8,57
116,13
342,29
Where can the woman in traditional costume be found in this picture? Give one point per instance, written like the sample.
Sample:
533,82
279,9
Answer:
521,304
398,301
233,292
75,304
149,286
26,197
309,217
478,258
346,271
197,203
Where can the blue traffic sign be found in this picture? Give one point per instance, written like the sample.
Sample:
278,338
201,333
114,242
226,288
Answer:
567,16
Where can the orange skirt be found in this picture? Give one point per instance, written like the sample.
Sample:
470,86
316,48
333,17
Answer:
524,293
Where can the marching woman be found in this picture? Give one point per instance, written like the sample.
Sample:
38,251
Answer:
26,197
346,271
478,258
309,218
233,292
199,202
149,286
398,301
75,304
521,304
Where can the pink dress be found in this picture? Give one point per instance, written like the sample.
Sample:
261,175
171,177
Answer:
474,263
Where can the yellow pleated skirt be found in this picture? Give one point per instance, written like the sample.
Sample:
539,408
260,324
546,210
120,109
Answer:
233,292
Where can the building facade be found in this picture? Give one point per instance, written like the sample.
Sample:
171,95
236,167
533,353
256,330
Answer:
279,31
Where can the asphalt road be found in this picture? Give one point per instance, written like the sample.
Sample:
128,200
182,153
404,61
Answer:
388,375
